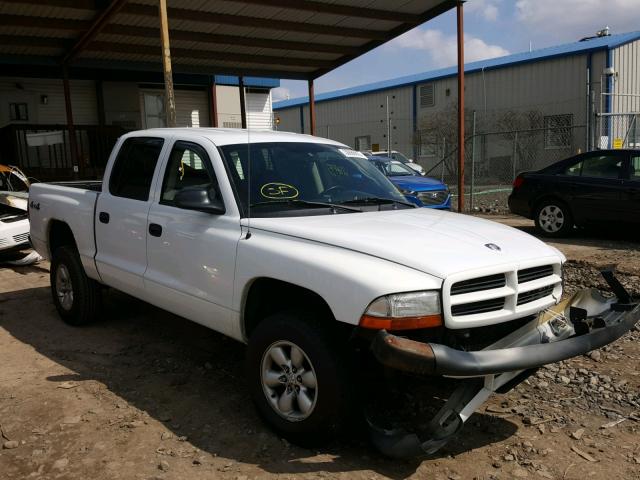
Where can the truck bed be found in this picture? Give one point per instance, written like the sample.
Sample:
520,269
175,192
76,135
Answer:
71,203
93,185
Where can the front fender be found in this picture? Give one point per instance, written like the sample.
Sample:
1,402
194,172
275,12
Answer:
347,280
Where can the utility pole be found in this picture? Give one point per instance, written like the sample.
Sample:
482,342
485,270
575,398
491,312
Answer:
169,98
460,15
388,130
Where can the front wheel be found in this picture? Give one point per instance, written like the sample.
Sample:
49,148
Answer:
553,219
299,378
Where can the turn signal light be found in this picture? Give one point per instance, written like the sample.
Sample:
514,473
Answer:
403,323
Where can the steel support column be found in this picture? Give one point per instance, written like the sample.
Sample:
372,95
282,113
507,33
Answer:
169,97
213,102
460,18
243,102
312,109
73,143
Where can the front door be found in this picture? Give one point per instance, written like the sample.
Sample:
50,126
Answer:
191,254
121,214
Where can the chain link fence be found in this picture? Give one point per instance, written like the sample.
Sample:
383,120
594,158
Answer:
494,159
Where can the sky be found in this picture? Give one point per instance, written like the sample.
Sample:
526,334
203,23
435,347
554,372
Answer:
493,28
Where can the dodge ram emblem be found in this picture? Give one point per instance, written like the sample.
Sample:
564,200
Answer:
492,246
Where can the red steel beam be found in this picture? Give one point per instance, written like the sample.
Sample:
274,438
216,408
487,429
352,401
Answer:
312,109
460,18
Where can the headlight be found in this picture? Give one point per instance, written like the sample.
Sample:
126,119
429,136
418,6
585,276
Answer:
404,311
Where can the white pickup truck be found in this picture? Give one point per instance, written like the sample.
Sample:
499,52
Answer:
300,248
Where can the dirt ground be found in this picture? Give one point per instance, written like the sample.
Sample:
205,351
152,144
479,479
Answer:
143,394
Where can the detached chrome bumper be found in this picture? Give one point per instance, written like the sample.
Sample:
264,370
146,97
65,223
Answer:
574,327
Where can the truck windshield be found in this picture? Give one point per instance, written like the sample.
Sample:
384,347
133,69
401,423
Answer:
305,172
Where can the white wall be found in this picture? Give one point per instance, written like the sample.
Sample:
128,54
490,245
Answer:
30,91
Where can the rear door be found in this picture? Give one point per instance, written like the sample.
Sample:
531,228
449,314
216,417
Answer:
191,254
596,187
121,214
632,190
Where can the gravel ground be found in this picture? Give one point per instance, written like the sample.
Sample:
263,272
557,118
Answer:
143,394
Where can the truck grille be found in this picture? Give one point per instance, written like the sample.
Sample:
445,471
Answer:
22,238
433,198
501,296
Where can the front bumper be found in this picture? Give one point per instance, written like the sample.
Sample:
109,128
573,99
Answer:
576,326
557,334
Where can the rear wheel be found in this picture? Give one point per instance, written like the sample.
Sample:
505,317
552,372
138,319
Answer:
299,378
76,297
554,219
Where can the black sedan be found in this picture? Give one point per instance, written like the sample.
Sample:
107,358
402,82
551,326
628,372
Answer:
591,188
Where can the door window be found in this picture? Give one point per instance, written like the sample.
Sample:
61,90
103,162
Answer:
599,166
133,170
635,168
188,166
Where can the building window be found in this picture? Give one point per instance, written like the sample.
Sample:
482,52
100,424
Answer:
428,145
18,112
557,131
427,97
232,124
363,143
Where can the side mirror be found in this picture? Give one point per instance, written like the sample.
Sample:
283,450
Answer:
202,199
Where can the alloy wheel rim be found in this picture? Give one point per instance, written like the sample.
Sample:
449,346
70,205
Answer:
551,218
64,287
289,381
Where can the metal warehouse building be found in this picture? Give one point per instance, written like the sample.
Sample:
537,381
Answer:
522,111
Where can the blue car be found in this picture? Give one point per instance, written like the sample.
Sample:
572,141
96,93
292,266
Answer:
423,191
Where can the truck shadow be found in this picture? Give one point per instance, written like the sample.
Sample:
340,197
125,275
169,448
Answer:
191,379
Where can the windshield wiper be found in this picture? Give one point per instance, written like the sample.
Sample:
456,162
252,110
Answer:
377,201
307,203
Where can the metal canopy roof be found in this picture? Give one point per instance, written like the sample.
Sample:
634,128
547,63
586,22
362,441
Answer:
300,39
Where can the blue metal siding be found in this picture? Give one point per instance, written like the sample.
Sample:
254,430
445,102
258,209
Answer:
593,45
248,81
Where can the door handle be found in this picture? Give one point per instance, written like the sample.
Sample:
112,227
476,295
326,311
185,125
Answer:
155,230
103,217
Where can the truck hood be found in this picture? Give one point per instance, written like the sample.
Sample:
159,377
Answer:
435,242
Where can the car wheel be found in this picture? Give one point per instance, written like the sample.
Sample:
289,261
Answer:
299,378
76,297
554,219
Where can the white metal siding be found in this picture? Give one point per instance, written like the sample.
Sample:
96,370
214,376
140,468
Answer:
31,90
259,113
192,108
626,61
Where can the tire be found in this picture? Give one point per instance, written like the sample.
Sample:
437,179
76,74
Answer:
309,416
76,297
553,219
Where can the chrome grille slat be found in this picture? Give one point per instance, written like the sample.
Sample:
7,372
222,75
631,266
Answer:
433,198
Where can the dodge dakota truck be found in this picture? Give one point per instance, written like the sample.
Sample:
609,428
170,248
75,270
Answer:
299,247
